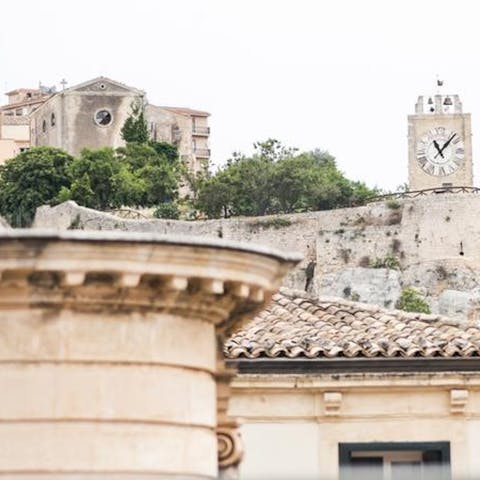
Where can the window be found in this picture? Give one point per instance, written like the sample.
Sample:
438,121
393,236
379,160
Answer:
103,118
395,461
44,126
52,120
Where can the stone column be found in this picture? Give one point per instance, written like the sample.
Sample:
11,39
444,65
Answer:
109,351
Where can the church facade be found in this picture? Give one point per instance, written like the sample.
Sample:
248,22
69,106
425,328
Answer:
91,115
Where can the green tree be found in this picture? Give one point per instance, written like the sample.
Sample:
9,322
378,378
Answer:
158,172
243,187
277,179
32,179
214,197
167,210
135,128
163,148
272,149
100,180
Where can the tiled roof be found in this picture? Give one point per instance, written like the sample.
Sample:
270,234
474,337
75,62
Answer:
12,106
187,111
295,326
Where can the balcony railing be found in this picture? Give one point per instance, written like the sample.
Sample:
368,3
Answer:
202,152
200,130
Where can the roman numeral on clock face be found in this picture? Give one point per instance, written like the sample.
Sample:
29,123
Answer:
422,160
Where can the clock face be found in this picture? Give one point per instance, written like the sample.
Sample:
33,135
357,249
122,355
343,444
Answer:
440,151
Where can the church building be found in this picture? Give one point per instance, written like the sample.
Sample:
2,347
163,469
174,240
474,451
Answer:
91,115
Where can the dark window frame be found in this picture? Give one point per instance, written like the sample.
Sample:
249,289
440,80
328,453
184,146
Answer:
345,451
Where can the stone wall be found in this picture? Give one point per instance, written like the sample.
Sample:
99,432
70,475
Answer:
430,242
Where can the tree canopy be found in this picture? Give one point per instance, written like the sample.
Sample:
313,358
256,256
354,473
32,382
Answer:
31,179
277,179
135,175
135,128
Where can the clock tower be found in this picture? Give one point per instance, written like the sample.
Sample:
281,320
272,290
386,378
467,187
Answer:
439,144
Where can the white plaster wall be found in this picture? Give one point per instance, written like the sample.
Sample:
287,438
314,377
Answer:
16,132
288,433
280,451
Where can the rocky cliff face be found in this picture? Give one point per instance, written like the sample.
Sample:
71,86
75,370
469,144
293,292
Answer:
367,253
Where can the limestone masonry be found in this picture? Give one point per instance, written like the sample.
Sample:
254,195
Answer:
432,242
110,352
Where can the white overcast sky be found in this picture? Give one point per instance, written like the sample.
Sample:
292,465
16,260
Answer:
340,75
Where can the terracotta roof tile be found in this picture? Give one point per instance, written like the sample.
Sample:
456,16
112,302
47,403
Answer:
294,325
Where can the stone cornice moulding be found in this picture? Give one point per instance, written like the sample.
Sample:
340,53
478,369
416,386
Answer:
312,384
88,270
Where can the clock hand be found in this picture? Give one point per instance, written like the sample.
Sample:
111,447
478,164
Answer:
445,145
448,142
437,147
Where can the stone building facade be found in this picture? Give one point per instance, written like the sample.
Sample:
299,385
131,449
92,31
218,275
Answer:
110,365
327,385
91,115
331,389
15,119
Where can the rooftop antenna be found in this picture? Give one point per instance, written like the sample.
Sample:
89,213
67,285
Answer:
63,83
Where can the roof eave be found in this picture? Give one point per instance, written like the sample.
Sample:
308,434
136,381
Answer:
358,365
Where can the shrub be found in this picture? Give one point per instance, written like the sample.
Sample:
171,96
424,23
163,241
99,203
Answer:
168,210
389,261
393,204
412,301
275,223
